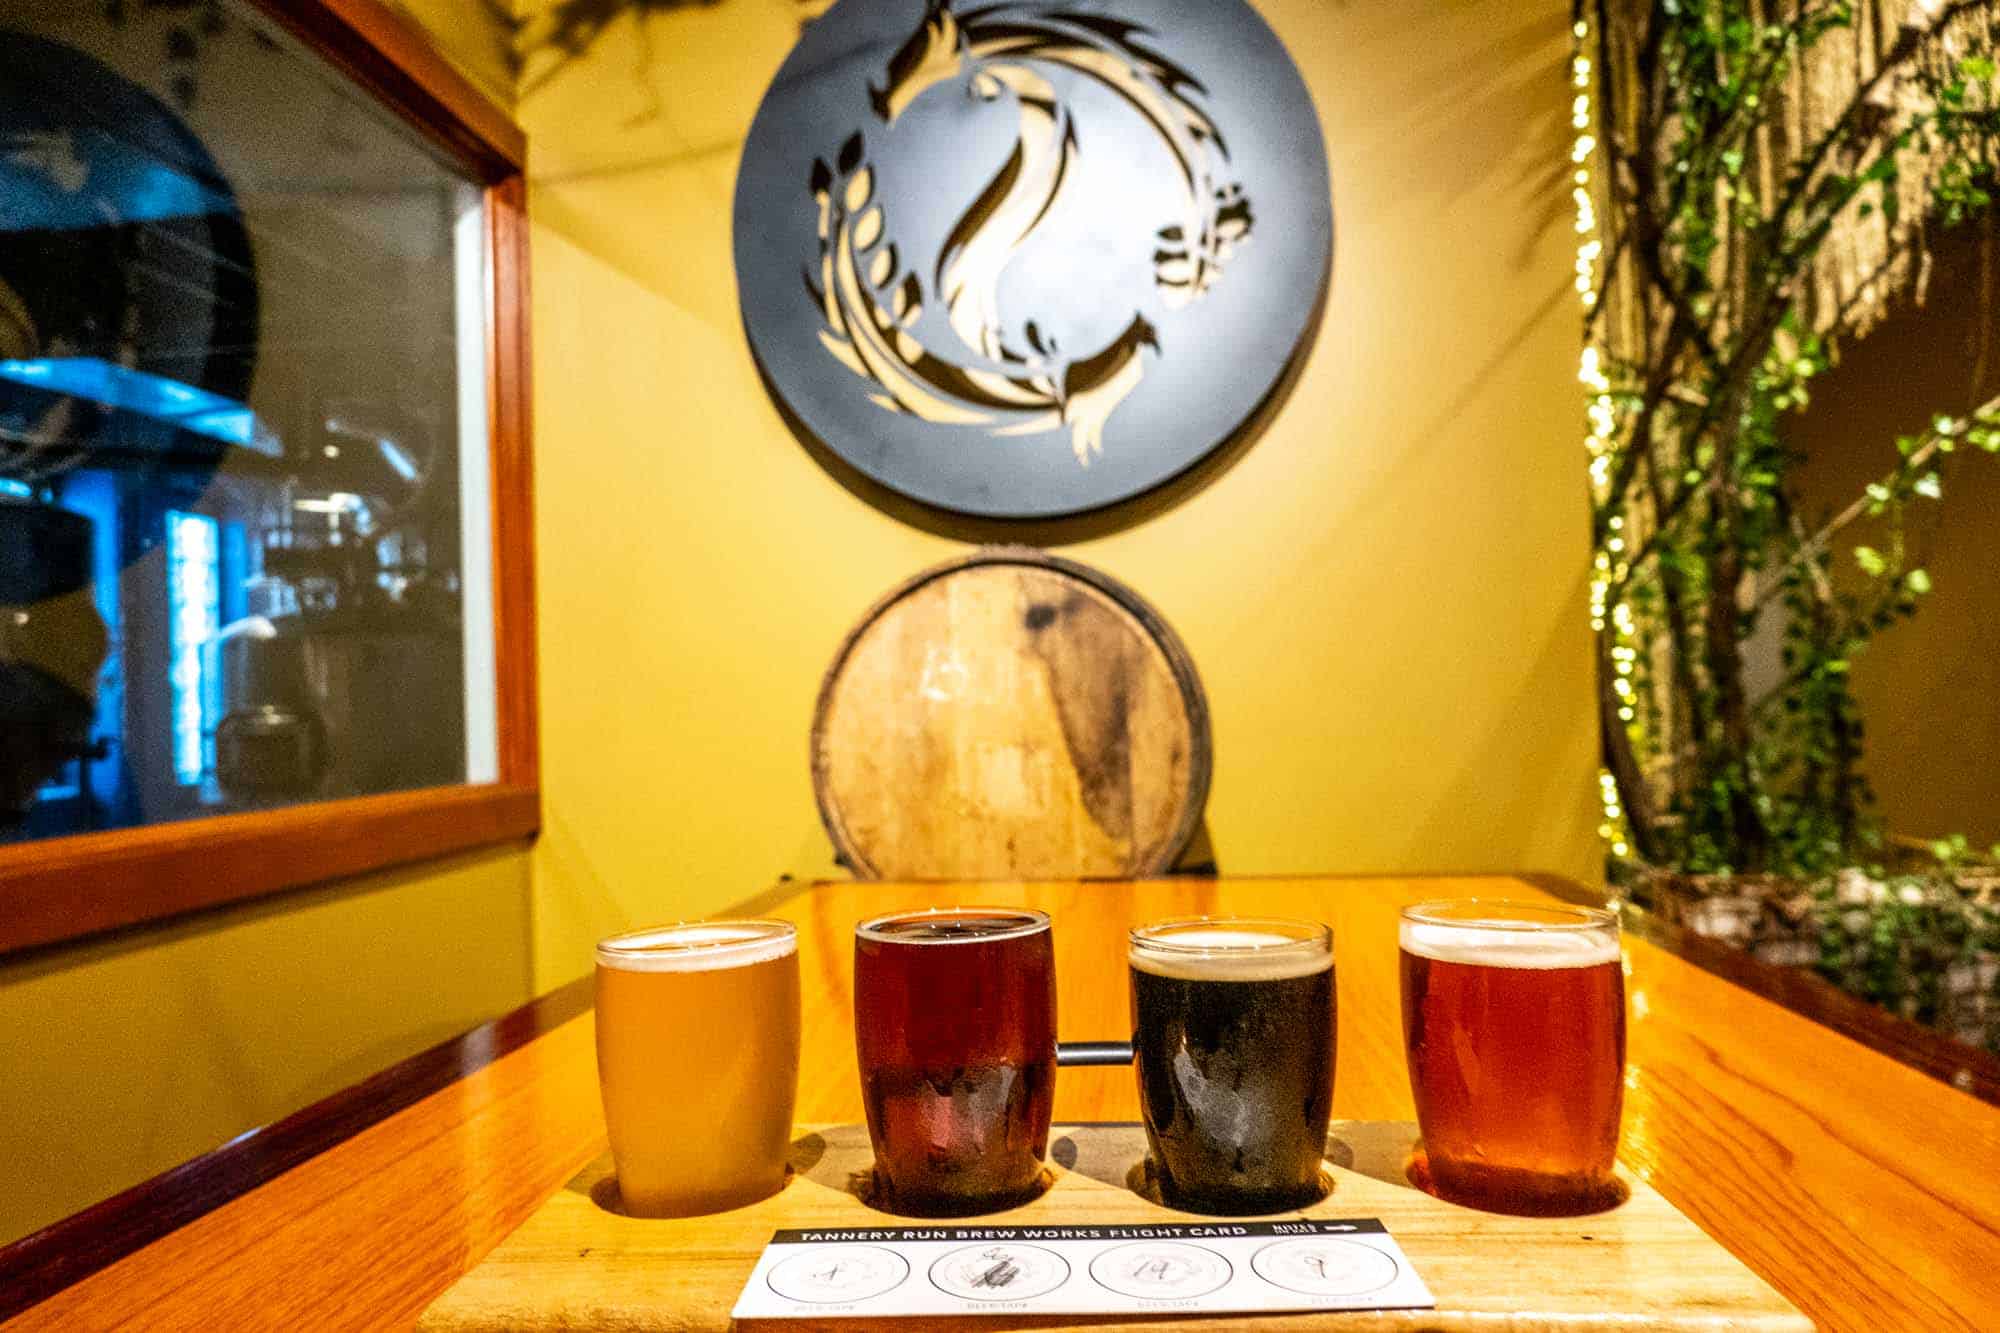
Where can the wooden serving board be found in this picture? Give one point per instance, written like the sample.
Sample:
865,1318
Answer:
578,1264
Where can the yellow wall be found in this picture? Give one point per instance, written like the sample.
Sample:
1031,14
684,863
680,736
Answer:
1385,595
127,1056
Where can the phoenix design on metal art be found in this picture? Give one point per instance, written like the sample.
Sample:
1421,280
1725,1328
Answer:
1013,381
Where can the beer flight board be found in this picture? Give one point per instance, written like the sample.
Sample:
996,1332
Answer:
578,1264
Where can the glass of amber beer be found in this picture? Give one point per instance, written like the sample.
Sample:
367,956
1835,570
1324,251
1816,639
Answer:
1514,1023
1233,1037
698,1061
955,1024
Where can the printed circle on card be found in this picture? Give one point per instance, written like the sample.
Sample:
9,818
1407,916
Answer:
1000,1272
1324,1266
836,1274
1160,1270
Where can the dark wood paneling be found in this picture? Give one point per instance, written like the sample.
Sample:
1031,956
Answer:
42,1264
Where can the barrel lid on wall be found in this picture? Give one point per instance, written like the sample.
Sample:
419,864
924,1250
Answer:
1011,715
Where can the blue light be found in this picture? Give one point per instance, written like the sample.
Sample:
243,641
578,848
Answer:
64,181
19,490
149,395
398,461
194,615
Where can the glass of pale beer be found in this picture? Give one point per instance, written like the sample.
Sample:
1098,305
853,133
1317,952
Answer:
1514,1024
698,1061
955,1026
1233,1038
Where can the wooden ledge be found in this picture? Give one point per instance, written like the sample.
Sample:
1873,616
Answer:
37,1266
1945,1058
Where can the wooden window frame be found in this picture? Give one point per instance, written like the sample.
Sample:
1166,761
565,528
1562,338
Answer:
59,889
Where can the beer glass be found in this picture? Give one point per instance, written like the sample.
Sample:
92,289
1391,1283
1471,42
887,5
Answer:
1233,1036
955,1022
698,1061
1514,1024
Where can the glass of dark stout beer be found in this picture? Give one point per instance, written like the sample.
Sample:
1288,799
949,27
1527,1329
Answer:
1232,1033
955,1021
1514,1023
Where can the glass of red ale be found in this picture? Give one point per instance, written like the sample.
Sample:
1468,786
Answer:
1514,1023
955,1023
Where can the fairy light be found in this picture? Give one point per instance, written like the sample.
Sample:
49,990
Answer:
1608,565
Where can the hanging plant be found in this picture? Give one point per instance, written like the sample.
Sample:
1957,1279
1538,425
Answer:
553,35
1759,184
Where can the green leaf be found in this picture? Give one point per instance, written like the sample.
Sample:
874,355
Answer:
1870,560
1919,581
1930,486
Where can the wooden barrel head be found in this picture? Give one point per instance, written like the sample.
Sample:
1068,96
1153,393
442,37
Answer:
1011,715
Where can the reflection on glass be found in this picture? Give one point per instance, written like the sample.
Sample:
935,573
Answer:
98,381
242,436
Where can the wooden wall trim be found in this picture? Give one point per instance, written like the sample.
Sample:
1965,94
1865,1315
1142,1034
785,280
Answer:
64,888
37,1266
393,58
509,405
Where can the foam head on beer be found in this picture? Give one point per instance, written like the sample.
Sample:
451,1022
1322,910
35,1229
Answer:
1228,953
1494,944
695,948
697,1058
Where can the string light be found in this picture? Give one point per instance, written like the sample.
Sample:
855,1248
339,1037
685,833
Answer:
1607,566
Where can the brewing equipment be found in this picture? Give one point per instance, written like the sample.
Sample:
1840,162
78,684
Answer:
52,642
352,624
229,520
125,279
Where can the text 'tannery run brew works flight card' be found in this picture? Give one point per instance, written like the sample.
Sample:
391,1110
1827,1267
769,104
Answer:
1207,1268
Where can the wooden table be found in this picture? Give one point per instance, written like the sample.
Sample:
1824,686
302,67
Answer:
1859,1186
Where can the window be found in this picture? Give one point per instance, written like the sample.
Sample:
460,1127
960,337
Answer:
262,492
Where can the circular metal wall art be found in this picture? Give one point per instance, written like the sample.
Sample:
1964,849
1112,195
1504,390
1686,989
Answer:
1027,258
